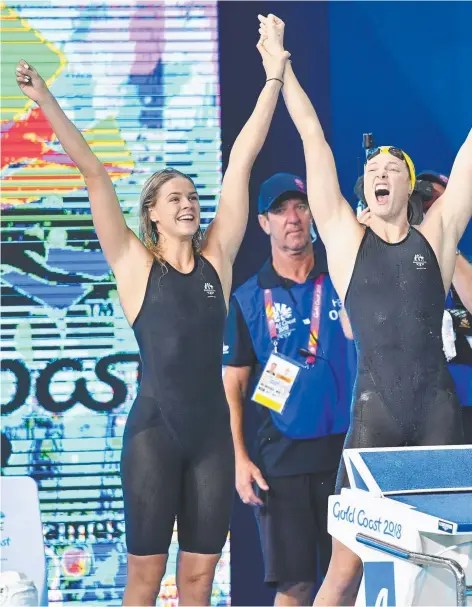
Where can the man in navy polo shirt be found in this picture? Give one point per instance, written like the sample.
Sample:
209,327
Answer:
284,325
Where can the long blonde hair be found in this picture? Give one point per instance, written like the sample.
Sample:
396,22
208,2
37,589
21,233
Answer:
147,228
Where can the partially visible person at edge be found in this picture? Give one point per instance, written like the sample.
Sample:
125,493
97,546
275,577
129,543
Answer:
393,279
298,449
459,307
178,458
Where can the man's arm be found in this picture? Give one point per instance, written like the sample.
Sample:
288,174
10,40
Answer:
235,381
239,359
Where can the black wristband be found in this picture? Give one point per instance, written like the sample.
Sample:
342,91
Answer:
278,80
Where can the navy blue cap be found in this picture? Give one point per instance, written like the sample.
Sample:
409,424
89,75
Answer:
434,177
279,185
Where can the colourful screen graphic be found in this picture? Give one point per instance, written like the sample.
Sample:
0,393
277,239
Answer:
140,80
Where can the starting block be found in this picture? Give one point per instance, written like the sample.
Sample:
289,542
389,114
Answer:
408,515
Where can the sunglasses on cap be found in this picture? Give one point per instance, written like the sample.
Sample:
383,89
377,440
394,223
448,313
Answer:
397,153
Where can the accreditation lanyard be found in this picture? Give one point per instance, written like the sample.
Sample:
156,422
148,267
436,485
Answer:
314,322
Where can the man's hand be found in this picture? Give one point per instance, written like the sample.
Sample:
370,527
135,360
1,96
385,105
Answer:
246,474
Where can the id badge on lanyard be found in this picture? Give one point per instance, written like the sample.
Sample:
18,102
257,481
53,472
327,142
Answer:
280,372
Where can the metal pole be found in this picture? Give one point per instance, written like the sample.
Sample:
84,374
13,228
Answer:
418,558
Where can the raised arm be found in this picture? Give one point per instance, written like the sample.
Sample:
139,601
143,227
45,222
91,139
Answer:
225,234
456,207
447,219
324,195
328,206
113,234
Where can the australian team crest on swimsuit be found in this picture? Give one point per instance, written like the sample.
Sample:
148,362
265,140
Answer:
209,289
419,261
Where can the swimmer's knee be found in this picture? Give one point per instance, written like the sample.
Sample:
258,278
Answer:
345,566
145,575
